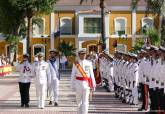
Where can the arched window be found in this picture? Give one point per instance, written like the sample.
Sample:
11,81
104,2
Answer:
38,48
66,26
38,28
120,25
121,47
146,23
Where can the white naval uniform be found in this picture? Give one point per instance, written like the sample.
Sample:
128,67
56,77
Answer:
110,76
135,84
54,81
81,87
41,73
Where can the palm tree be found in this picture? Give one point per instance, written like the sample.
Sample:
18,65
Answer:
102,6
13,42
67,49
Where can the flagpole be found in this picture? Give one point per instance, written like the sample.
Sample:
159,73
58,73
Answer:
59,43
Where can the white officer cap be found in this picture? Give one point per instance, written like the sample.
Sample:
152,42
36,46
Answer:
154,47
162,48
35,59
110,55
40,54
142,50
82,50
53,50
134,55
148,48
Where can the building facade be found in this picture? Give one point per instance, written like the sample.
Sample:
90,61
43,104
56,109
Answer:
81,26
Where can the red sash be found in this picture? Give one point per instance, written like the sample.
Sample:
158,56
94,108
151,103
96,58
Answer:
89,80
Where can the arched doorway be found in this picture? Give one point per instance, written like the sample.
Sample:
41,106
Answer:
92,48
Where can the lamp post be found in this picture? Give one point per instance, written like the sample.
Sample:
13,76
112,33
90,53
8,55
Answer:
45,41
59,42
102,6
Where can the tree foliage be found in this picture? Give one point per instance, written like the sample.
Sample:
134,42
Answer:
67,48
11,18
153,34
34,7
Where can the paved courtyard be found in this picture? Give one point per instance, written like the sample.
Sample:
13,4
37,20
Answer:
103,102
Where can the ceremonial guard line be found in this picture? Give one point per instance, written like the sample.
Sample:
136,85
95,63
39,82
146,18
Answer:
136,78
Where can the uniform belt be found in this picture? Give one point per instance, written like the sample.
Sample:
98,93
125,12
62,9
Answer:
153,79
82,78
157,81
162,83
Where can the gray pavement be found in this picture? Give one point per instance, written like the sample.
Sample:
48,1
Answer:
103,102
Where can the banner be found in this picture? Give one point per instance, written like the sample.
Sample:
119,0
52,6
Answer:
4,70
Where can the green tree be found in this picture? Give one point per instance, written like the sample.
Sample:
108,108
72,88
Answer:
13,42
33,8
67,48
12,25
153,34
158,8
10,18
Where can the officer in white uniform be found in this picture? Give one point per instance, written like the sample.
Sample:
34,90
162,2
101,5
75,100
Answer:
0,61
25,70
80,84
41,73
53,86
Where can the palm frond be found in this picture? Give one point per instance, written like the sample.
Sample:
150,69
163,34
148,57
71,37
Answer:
67,48
37,20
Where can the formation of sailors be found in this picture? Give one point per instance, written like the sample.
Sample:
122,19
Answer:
137,77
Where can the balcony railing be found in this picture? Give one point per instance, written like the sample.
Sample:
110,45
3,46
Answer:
120,31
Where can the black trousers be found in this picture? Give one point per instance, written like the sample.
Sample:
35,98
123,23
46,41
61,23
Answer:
154,99
161,97
24,92
142,95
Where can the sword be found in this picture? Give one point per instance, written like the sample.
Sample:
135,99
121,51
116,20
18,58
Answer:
90,95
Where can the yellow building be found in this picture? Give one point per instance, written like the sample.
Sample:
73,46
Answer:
80,25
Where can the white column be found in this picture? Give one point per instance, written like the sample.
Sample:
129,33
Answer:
107,25
52,29
76,30
133,27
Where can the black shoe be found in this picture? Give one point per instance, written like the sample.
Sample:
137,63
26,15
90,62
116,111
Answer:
50,103
123,101
140,109
55,104
27,105
22,105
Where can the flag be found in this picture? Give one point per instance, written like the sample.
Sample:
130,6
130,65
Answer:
57,34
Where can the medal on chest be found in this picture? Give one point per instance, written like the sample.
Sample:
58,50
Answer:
87,68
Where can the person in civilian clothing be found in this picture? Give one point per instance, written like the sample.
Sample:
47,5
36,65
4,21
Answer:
25,70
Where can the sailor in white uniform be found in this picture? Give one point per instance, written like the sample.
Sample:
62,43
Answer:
53,86
41,74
